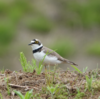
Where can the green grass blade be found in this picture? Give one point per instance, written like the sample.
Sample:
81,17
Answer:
1,96
23,61
28,94
85,69
19,94
76,69
89,82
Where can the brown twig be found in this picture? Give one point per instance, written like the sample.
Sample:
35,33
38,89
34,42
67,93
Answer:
18,86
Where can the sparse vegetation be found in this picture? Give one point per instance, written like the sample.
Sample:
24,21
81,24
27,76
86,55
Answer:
28,94
89,82
2,71
51,75
76,69
96,85
81,72
67,84
8,88
28,67
1,96
54,84
52,90
79,94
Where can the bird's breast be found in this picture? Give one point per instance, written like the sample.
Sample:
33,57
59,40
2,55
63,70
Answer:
39,56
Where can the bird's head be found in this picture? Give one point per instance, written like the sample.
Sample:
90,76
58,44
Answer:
35,43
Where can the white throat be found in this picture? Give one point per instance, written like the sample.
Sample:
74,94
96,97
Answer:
36,46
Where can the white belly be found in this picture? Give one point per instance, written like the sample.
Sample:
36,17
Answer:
48,59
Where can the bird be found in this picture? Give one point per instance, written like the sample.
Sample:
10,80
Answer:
52,58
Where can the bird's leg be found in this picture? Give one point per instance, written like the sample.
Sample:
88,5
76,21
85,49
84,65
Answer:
55,67
49,68
54,72
45,67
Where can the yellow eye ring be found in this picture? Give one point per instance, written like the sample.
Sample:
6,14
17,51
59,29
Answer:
36,42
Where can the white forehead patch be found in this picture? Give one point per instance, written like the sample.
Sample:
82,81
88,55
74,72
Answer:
36,39
32,41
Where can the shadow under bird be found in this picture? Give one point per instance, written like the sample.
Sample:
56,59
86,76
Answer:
52,58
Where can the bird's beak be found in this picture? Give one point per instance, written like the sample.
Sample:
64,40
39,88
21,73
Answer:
30,44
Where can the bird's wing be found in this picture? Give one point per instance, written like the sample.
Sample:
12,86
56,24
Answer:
52,53
60,58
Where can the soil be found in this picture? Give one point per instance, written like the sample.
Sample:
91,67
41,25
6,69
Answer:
24,82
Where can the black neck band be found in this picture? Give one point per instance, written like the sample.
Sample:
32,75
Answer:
36,50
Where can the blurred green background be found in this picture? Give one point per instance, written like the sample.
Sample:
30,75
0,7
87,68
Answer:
71,27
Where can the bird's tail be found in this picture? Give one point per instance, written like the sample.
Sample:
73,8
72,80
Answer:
70,62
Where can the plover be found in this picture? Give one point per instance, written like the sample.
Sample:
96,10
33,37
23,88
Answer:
52,58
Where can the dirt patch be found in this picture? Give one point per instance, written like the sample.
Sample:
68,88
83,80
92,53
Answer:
24,82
